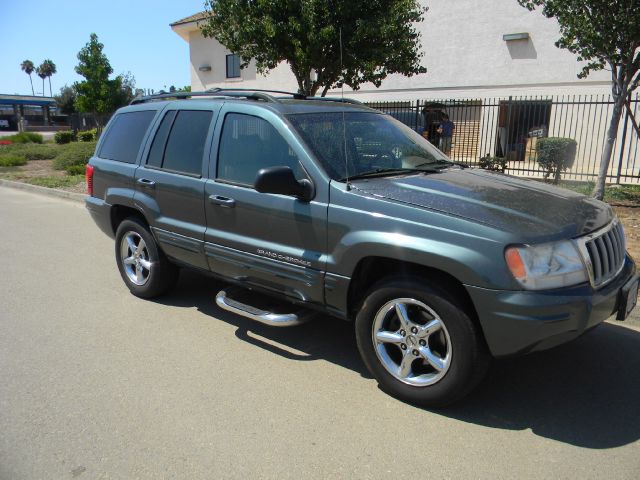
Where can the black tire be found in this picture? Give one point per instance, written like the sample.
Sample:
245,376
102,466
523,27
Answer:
161,275
469,357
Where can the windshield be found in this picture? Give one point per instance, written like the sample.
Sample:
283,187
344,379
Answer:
372,142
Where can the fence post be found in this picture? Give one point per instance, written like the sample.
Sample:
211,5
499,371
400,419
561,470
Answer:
507,130
418,115
622,143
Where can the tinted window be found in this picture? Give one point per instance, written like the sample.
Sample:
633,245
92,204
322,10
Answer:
248,144
185,146
157,147
125,134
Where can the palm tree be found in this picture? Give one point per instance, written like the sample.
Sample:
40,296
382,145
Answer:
28,68
49,70
41,72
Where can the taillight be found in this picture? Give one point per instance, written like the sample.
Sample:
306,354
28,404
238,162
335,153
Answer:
89,177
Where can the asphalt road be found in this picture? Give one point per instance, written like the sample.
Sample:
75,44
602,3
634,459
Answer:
95,383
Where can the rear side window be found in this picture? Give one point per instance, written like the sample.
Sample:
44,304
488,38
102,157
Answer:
125,134
180,140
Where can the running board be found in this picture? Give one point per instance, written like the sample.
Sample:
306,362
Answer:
224,301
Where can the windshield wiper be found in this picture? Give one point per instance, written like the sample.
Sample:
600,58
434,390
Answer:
381,172
441,163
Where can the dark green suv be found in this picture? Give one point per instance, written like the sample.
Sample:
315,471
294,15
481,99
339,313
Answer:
326,206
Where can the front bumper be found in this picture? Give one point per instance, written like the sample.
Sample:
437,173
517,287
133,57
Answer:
518,322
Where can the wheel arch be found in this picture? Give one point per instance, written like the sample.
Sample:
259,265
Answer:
364,277
118,213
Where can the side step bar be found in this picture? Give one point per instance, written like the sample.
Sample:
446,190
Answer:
263,316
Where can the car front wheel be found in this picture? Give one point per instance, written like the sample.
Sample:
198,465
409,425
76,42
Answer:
419,343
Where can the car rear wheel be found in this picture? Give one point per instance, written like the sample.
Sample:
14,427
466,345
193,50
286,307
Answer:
419,343
144,268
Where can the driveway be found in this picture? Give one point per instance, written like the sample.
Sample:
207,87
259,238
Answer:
95,383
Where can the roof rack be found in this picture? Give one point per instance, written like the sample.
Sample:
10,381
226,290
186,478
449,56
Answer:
336,99
251,94
240,92
175,95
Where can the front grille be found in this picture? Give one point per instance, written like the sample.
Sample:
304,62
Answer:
606,253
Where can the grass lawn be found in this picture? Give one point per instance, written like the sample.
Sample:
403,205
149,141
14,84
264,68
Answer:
47,164
614,194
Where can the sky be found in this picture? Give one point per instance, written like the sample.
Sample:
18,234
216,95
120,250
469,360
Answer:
135,34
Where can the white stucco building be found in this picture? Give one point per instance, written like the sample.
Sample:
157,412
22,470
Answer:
467,50
493,67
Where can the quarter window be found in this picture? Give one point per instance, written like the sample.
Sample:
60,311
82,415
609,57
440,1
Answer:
249,144
233,66
157,147
125,134
179,142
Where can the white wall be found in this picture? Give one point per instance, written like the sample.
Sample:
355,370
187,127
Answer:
208,51
465,55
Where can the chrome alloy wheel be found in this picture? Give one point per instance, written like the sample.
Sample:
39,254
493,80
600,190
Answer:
411,342
135,258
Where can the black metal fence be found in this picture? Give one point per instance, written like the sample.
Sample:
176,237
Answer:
88,121
510,128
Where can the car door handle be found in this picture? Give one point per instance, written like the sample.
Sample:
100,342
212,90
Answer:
146,183
222,201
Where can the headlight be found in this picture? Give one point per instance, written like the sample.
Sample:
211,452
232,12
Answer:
546,266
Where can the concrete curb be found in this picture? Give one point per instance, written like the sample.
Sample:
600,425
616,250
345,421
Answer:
51,192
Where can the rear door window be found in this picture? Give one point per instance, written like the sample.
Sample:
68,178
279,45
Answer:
123,139
180,140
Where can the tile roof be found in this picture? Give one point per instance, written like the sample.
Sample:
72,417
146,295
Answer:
191,18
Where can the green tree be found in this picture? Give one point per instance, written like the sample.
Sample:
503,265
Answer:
126,89
97,94
28,68
377,38
604,34
49,69
42,73
66,100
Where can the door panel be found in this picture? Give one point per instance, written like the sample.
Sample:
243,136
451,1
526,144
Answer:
177,210
273,241
170,182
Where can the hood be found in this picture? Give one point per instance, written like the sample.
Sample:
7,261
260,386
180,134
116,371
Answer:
526,208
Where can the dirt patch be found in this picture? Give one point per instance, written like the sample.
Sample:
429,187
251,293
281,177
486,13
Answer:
41,172
630,217
36,168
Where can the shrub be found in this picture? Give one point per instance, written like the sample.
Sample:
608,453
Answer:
495,164
11,160
39,152
76,169
556,155
87,135
64,136
24,137
74,154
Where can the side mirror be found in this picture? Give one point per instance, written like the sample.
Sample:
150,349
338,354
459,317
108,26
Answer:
282,181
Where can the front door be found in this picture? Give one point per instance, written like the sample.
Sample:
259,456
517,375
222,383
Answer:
272,241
